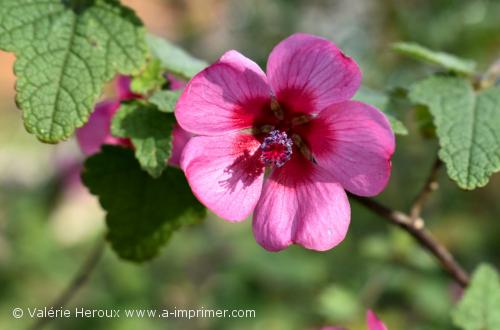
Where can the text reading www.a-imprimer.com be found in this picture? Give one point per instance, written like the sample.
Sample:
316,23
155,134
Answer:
80,312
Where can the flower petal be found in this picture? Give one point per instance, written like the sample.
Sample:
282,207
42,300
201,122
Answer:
354,142
228,96
308,73
96,131
225,173
373,322
301,204
180,138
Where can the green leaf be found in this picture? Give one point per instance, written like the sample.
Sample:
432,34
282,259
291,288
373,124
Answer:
466,125
142,212
66,51
174,59
479,308
445,60
150,79
165,100
150,131
384,103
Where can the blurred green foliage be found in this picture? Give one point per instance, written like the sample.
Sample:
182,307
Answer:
218,264
478,308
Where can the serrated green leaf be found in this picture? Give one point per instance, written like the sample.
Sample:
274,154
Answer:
165,100
382,102
445,60
174,59
479,308
66,51
150,79
142,212
150,131
466,125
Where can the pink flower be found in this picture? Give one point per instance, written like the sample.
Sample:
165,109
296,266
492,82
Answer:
296,121
97,131
371,319
373,322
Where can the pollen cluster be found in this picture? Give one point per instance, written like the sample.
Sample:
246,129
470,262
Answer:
276,149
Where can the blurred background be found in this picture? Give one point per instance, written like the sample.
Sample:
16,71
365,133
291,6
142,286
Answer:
49,223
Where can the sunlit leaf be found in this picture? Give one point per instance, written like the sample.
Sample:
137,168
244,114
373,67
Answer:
150,79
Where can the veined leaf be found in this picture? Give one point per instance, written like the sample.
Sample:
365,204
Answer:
66,51
467,126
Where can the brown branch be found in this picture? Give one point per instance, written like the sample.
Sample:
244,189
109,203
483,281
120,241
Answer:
422,235
430,186
76,283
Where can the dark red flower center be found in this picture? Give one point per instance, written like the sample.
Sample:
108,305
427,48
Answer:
276,149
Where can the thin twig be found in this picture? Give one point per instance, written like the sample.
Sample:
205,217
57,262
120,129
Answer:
430,186
423,236
76,283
